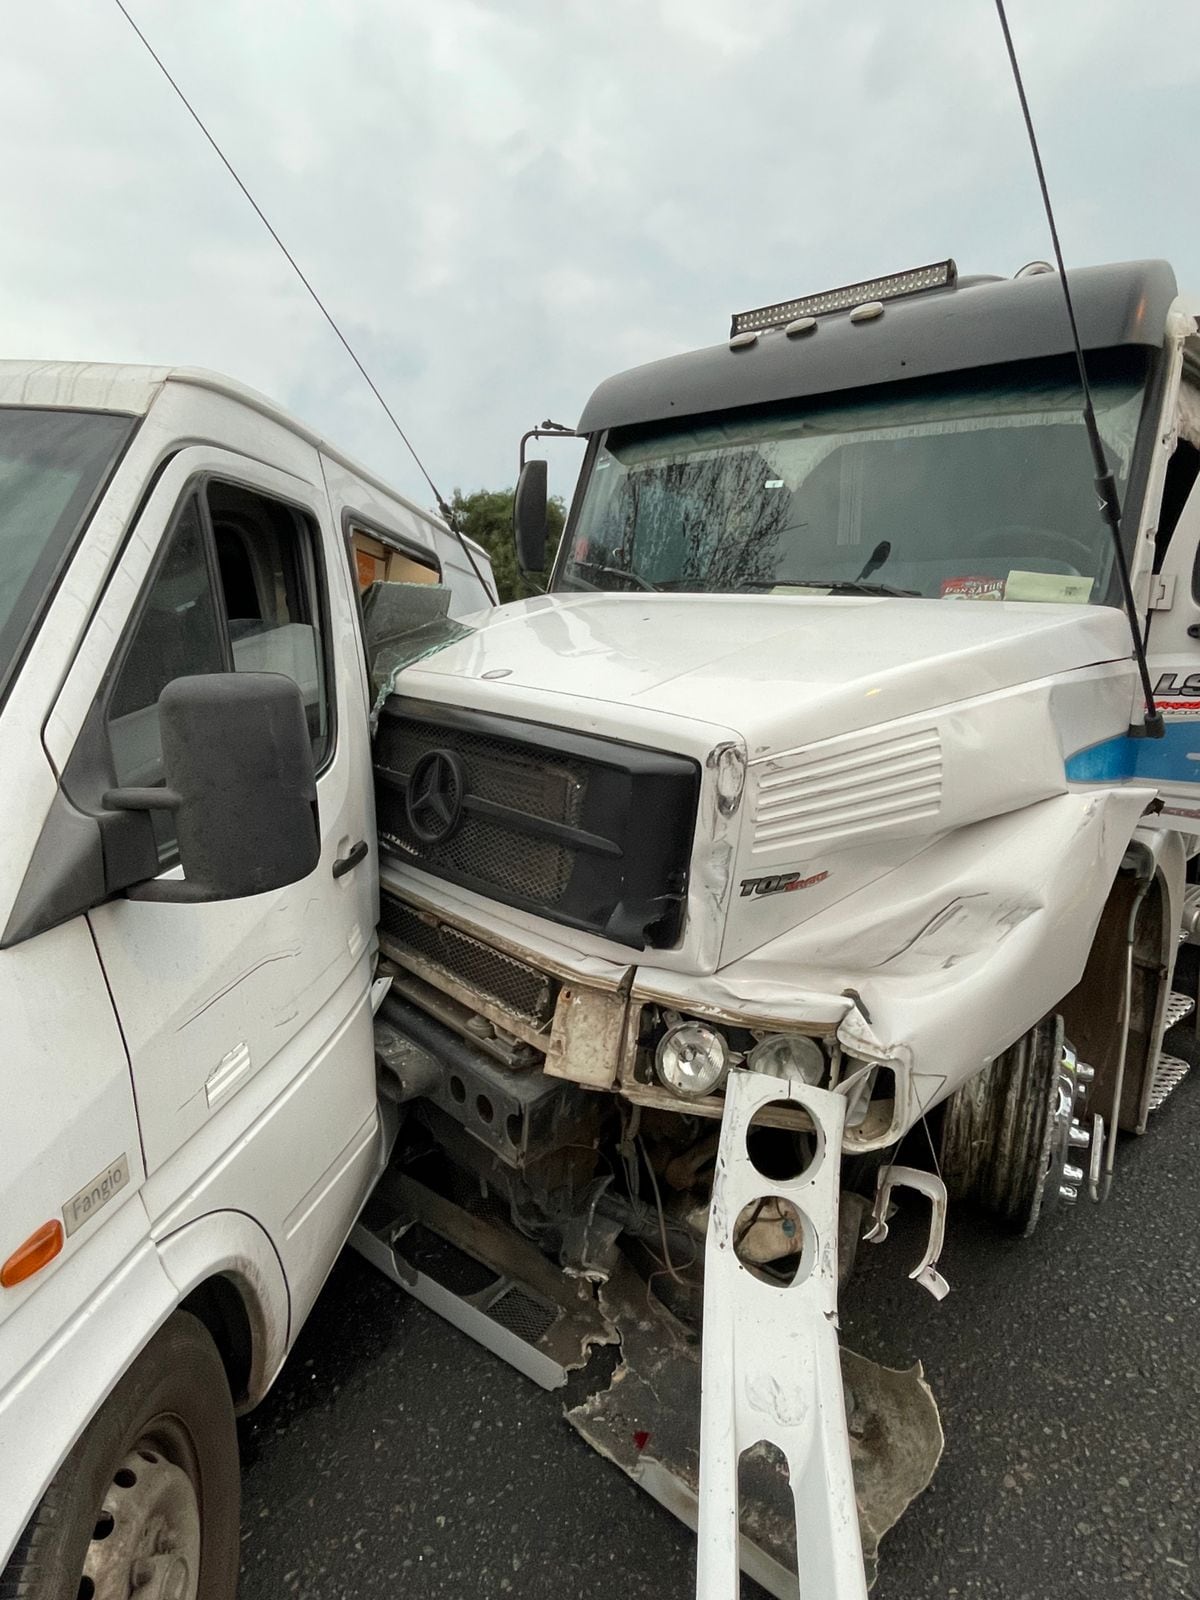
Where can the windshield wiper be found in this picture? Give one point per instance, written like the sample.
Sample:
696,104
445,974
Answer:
835,585
620,572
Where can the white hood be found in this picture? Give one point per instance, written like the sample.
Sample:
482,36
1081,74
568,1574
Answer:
779,669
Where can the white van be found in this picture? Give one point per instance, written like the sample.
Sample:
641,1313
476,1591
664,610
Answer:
187,1082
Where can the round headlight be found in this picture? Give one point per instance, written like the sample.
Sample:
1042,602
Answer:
692,1060
792,1056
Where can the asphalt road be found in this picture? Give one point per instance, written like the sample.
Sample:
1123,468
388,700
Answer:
394,1457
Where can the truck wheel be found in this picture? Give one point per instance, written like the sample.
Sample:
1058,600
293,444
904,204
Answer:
147,1502
1012,1134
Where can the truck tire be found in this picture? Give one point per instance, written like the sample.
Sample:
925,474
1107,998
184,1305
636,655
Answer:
149,1497
1010,1133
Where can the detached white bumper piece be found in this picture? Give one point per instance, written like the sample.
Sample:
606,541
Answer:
770,1363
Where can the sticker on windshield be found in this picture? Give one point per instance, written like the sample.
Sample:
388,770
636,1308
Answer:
972,588
1060,586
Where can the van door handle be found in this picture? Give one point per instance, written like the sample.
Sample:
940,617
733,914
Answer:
348,862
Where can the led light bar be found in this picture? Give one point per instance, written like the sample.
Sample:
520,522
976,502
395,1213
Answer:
939,275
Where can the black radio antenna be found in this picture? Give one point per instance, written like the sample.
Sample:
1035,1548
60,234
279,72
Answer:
1106,487
442,504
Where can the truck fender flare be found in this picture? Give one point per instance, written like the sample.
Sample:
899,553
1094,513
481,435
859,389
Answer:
1133,944
233,1247
1169,856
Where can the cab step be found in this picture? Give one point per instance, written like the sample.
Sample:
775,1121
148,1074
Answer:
1168,1075
1179,1006
1172,1070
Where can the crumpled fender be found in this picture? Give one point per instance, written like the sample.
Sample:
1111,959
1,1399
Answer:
941,964
958,952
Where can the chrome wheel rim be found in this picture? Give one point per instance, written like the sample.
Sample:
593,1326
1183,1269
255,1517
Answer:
1067,1137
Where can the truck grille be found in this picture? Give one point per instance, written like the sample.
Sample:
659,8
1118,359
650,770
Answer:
513,984
585,831
503,774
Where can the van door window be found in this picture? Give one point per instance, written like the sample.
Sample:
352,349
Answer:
383,561
267,559
177,634
237,588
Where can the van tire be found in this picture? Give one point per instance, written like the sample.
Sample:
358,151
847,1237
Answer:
171,1417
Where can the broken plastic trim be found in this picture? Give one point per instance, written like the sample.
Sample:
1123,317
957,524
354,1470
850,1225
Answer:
926,1270
770,1364
404,623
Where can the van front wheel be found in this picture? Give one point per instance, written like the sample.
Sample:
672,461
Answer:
148,1500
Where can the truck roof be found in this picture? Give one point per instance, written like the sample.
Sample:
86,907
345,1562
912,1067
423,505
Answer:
131,388
979,322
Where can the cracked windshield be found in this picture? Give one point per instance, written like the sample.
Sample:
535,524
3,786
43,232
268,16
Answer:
950,489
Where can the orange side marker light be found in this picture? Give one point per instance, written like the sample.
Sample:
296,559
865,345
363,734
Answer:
38,1251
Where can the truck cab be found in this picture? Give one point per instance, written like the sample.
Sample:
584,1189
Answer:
813,723
188,906
817,774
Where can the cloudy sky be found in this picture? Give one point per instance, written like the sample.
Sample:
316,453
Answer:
503,201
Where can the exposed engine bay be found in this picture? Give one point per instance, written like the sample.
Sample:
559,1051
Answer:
588,1240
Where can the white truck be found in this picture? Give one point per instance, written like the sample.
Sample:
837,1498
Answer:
810,807
805,807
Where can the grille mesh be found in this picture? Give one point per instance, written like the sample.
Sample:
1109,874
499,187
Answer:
538,869
510,982
521,1314
535,782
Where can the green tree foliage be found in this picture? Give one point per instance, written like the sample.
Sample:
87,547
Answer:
486,516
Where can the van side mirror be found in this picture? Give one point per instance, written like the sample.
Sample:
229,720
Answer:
529,517
238,778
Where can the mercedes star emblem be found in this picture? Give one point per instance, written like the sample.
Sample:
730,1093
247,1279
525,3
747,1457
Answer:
434,801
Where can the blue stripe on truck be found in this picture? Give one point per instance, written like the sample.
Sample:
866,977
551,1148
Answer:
1174,758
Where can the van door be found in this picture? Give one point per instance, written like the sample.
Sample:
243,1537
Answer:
232,1010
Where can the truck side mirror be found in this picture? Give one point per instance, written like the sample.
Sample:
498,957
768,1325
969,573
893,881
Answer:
238,777
529,517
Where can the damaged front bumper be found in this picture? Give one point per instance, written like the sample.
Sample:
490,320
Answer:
856,1443
771,1371
786,1453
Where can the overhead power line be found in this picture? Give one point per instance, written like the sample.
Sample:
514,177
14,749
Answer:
442,505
